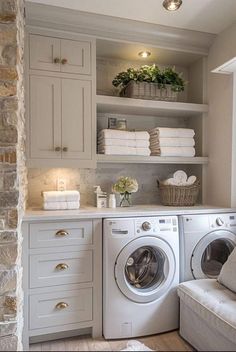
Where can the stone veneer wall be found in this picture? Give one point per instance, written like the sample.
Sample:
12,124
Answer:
12,171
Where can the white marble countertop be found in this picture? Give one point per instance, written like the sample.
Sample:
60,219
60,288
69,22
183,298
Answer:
36,214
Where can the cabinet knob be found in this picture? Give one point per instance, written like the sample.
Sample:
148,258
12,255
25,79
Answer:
62,305
62,266
64,61
56,60
65,149
57,149
62,233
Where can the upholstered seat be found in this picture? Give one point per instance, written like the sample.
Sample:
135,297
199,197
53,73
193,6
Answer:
208,315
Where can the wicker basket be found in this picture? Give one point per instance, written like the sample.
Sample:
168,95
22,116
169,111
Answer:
179,195
151,91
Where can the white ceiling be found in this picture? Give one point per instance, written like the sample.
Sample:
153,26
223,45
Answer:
211,16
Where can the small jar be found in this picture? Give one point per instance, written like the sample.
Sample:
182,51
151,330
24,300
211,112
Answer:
121,124
112,201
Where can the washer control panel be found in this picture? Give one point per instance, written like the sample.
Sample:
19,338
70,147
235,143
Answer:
223,221
156,224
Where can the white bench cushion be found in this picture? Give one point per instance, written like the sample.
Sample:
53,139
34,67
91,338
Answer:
214,303
227,275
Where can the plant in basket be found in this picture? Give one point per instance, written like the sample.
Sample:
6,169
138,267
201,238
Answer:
149,81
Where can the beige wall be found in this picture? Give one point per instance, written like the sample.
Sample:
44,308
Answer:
220,121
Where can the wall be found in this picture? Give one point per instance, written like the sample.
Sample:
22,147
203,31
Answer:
220,121
12,171
105,175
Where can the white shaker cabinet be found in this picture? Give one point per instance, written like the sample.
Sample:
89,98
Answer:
60,118
60,55
62,264
61,103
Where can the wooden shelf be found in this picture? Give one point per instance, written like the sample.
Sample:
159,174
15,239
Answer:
127,159
118,105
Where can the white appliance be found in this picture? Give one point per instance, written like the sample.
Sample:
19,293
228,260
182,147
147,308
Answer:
206,241
140,276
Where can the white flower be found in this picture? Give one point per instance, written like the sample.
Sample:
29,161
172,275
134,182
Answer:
125,184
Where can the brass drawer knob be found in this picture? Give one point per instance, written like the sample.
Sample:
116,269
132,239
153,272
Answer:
57,149
65,149
62,305
62,266
64,61
56,60
62,233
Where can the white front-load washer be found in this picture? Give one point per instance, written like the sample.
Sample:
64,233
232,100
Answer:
140,276
206,242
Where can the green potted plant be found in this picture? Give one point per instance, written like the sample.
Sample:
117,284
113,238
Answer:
150,82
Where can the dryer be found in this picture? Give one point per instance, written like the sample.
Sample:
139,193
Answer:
206,242
140,276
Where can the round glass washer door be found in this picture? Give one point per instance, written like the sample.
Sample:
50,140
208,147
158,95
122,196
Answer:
145,269
211,253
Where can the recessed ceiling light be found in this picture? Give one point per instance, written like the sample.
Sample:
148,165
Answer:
172,5
144,54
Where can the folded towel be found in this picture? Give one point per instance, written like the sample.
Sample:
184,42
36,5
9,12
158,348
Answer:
175,151
61,205
171,142
165,132
118,134
139,143
116,150
61,196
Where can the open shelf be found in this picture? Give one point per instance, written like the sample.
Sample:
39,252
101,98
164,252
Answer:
102,158
119,105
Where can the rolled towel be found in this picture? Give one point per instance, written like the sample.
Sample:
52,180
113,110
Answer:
139,143
118,134
181,177
172,142
175,151
61,196
116,150
191,180
61,205
165,132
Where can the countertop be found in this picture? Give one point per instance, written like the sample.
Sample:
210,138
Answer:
36,214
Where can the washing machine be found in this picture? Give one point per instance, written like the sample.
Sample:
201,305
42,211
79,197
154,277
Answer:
140,276
206,242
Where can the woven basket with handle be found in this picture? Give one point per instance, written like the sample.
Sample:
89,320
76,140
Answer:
179,195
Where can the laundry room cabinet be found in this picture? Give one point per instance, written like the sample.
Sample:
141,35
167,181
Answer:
62,264
60,108
60,118
58,55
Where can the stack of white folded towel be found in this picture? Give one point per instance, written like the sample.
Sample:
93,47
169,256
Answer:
172,142
60,200
117,142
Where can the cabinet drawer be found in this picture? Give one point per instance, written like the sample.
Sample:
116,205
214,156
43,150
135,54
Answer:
60,268
56,234
61,308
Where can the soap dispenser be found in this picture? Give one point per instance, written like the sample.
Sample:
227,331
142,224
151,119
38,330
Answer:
101,197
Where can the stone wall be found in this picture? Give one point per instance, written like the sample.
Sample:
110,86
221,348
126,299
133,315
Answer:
12,171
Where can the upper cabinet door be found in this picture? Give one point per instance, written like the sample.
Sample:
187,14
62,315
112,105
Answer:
45,117
45,53
76,57
76,119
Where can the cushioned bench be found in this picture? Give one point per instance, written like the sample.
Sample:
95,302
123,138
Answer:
208,310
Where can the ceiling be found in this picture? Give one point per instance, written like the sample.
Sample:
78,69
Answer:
211,16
